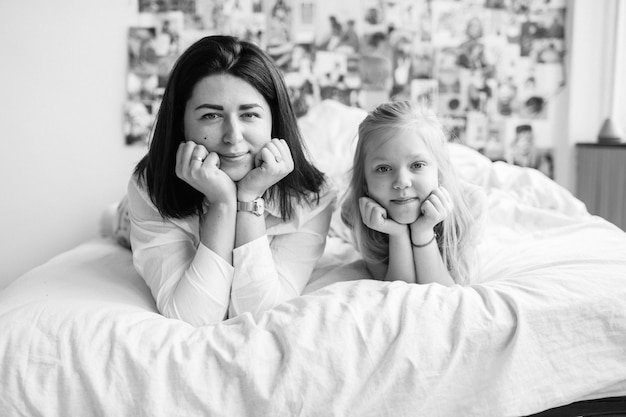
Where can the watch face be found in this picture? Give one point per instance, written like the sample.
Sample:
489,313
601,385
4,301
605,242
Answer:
259,206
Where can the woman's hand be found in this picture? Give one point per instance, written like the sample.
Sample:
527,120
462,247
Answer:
434,210
272,164
201,169
375,217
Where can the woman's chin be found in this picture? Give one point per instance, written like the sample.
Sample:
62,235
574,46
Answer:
235,174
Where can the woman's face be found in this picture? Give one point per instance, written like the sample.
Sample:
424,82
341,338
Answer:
400,174
228,116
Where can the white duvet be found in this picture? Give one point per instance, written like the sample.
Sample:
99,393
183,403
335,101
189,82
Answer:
543,326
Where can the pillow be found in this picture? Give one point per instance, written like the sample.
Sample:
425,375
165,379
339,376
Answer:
329,130
115,222
470,165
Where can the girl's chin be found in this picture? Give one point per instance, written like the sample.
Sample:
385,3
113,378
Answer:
404,218
406,221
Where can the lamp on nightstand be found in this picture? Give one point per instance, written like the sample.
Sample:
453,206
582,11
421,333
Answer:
610,132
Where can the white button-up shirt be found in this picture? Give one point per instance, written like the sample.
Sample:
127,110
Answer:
190,282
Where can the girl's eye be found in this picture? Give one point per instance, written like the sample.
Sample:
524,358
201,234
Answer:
382,169
418,165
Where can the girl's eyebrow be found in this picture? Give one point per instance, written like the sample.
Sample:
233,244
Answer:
221,108
413,156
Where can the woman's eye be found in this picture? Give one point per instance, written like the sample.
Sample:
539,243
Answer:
249,115
210,116
383,169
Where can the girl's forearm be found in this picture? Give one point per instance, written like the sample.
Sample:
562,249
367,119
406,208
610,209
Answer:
429,265
401,266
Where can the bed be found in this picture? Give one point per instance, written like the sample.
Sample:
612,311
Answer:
543,326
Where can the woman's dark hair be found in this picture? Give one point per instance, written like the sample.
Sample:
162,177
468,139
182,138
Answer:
211,55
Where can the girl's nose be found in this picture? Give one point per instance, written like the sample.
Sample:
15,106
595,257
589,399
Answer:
232,131
402,180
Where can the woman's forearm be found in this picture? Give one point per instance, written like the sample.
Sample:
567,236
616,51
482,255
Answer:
217,229
249,227
272,269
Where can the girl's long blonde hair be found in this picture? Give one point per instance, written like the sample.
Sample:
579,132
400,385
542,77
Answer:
456,232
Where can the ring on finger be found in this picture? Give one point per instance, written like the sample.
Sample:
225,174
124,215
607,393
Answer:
197,158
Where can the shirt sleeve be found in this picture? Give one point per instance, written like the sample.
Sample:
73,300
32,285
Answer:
276,267
189,281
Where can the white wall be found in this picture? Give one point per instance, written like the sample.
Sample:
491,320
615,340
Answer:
62,152
62,88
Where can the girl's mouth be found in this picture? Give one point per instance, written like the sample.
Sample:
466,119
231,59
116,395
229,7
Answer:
405,200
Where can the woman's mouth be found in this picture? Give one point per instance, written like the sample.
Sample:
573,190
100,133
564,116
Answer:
233,157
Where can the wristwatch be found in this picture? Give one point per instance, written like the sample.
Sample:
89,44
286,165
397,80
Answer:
256,206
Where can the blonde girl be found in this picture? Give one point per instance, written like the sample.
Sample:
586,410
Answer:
411,218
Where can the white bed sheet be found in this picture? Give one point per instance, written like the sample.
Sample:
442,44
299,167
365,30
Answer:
544,325
80,336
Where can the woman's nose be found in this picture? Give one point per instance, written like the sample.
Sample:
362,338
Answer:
232,131
401,180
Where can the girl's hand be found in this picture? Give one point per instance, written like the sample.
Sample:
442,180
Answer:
375,217
434,210
201,169
272,164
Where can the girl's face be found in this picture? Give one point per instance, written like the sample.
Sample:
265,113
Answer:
400,174
228,116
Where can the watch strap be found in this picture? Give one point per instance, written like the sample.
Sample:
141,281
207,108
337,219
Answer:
246,205
255,206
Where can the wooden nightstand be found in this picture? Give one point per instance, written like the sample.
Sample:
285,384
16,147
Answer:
601,180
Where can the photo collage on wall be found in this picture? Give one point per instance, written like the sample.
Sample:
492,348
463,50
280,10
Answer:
489,68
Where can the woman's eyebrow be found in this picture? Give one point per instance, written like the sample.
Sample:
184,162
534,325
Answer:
218,107
209,106
250,106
